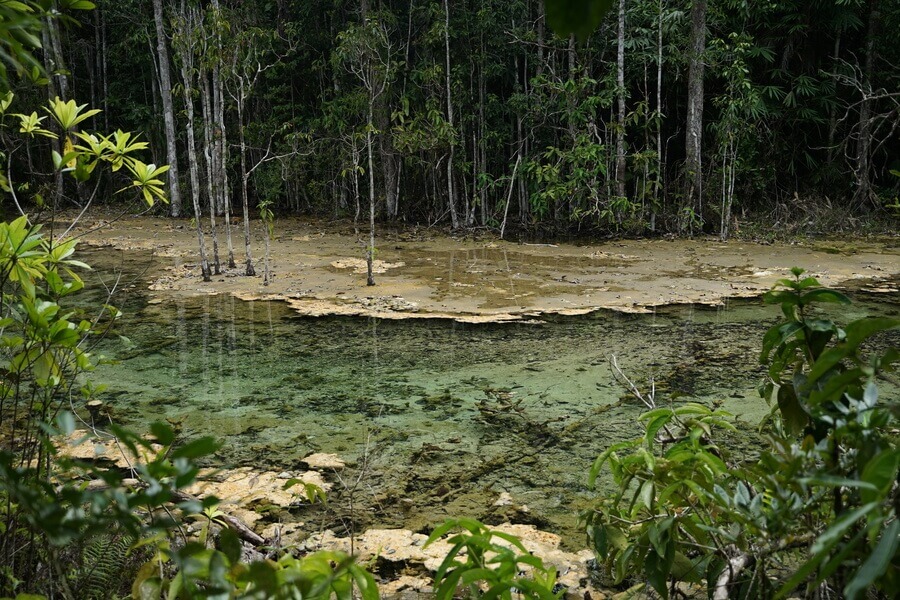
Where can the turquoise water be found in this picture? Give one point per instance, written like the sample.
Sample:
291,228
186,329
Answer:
438,417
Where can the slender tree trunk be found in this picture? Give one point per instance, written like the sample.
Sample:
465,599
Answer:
451,192
245,181
187,67
832,112
355,159
388,158
572,101
482,151
103,61
59,62
694,135
209,154
55,88
165,90
267,273
220,141
660,184
620,92
370,255
95,70
864,145
539,68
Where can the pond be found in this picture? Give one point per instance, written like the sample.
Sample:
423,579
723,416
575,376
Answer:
438,418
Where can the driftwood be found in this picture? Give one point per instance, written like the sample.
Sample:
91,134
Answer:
239,527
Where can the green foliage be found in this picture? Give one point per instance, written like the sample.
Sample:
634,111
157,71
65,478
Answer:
20,29
486,567
203,572
103,560
46,505
80,160
579,17
821,508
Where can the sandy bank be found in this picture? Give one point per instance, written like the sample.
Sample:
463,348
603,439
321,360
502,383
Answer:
318,268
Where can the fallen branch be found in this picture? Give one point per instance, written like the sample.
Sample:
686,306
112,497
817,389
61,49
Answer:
239,527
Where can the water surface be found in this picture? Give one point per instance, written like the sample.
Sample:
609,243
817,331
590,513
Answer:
439,417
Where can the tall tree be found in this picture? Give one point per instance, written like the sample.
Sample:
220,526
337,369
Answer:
864,142
186,43
365,51
693,164
165,91
620,94
451,189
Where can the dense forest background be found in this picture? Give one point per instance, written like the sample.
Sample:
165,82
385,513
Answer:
674,116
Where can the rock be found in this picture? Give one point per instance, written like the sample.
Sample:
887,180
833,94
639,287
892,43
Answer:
86,445
405,585
321,461
393,545
402,545
505,499
285,534
245,487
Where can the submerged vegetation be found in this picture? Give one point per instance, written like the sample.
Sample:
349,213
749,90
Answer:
464,116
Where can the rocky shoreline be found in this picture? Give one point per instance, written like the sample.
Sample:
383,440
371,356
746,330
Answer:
399,558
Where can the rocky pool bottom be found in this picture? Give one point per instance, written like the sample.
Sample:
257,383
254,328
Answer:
434,418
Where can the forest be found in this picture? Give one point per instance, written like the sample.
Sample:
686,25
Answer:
668,116
635,332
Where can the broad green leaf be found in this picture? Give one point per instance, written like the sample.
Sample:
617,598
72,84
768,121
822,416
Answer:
877,563
824,295
880,473
833,481
163,433
857,332
833,534
197,448
793,413
776,336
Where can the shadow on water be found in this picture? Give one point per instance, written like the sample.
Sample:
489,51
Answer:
450,414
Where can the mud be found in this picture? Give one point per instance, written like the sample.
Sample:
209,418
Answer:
319,268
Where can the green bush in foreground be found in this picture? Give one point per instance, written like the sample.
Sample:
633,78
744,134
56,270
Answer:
817,510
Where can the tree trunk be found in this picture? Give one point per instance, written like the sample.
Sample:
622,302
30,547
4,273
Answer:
482,151
451,193
57,87
388,159
209,153
864,145
267,273
187,67
220,139
659,188
370,255
620,92
245,181
165,91
694,136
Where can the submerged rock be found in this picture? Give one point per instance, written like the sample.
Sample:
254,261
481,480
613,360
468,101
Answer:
244,487
321,461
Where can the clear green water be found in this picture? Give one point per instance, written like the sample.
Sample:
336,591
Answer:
449,415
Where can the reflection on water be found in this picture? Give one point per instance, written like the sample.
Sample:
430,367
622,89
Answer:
452,415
